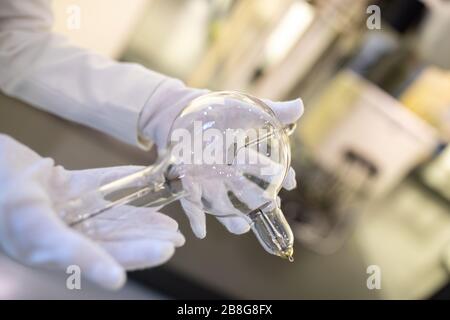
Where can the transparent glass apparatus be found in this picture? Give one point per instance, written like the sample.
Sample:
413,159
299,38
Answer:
227,154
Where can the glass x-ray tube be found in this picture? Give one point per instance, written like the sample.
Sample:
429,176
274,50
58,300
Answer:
165,182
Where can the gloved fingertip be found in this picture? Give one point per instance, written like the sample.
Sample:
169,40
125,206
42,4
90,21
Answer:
298,106
199,231
198,224
287,111
236,225
293,110
278,201
241,228
196,217
111,277
152,254
180,240
166,251
290,182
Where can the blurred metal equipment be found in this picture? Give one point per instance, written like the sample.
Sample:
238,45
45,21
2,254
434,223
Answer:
331,20
354,145
353,114
238,47
434,41
324,207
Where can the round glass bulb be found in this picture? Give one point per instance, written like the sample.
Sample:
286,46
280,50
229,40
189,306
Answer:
232,154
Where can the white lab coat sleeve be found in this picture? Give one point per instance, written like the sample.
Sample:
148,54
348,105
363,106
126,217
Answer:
43,69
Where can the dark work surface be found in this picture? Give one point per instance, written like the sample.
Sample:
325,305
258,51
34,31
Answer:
442,294
174,285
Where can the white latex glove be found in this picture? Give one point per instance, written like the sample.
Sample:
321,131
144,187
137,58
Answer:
155,122
32,232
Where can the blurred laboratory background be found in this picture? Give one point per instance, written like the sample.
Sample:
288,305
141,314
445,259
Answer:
371,151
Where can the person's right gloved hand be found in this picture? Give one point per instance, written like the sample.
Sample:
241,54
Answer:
32,232
154,126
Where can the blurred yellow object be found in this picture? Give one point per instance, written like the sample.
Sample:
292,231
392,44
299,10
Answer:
429,98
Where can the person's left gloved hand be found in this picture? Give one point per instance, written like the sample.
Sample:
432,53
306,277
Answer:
155,123
33,232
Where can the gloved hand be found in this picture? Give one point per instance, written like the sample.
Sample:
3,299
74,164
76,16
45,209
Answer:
154,125
32,232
